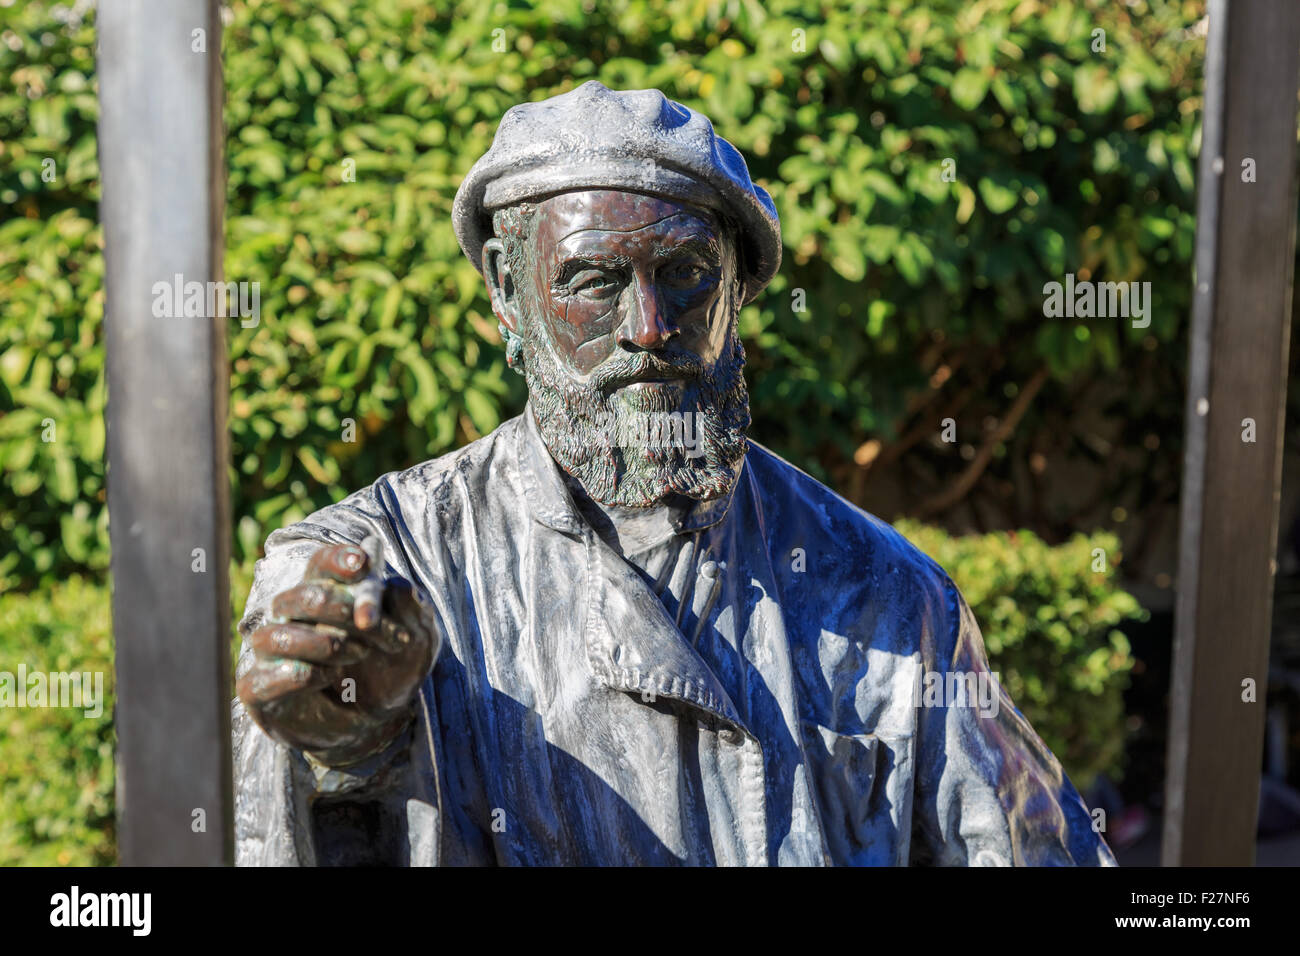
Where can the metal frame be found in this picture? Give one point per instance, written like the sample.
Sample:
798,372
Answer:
160,152
1241,319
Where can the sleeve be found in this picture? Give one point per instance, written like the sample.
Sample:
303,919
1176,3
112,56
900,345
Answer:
292,811
989,792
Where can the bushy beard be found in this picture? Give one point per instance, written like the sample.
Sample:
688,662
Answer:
634,447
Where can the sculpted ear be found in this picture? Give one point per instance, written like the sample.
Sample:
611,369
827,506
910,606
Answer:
501,284
736,238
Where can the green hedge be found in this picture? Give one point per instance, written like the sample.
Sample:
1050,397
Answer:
1050,624
1065,159
1053,627
56,765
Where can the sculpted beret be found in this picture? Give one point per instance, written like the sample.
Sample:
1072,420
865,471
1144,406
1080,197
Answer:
638,140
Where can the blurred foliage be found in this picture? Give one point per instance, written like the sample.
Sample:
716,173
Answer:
52,513
917,289
1051,627
56,764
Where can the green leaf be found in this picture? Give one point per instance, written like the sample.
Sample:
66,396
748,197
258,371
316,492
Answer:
1095,88
969,87
998,197
482,411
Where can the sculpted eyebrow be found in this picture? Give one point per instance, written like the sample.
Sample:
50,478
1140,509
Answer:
704,246
567,267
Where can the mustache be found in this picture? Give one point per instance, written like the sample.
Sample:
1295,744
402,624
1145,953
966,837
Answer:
625,369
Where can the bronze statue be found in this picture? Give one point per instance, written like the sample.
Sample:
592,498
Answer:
616,631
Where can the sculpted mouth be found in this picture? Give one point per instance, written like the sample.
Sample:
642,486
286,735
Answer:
655,378
648,372
659,386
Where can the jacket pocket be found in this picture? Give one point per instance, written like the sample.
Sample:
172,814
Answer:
862,823
845,766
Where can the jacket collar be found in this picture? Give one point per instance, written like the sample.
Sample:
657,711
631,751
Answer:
548,499
545,496
633,645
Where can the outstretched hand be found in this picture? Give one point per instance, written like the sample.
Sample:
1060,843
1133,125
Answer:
338,664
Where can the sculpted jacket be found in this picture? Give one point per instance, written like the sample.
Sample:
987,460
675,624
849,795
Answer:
755,704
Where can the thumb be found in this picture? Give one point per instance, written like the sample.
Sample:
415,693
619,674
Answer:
369,591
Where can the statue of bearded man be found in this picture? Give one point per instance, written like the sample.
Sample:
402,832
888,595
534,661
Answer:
615,631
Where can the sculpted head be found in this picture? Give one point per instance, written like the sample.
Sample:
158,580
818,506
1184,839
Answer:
617,281
624,309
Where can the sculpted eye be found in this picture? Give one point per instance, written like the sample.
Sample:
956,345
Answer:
686,274
593,284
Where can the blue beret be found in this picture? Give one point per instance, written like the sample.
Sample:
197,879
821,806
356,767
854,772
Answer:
638,140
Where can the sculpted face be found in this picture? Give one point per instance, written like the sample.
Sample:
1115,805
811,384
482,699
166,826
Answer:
625,305
625,273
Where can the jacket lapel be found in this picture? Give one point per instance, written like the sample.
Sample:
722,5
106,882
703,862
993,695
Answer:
634,646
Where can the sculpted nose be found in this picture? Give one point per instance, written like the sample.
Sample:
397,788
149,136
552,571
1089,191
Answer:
646,327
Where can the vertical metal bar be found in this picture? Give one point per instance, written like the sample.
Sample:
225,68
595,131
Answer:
1241,314
160,152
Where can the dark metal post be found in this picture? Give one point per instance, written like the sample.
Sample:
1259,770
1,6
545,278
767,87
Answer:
160,152
1245,253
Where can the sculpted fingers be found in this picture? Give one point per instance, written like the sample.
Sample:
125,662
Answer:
318,644
406,627
324,602
370,590
337,664
366,609
348,564
271,679
345,563
298,705
392,636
